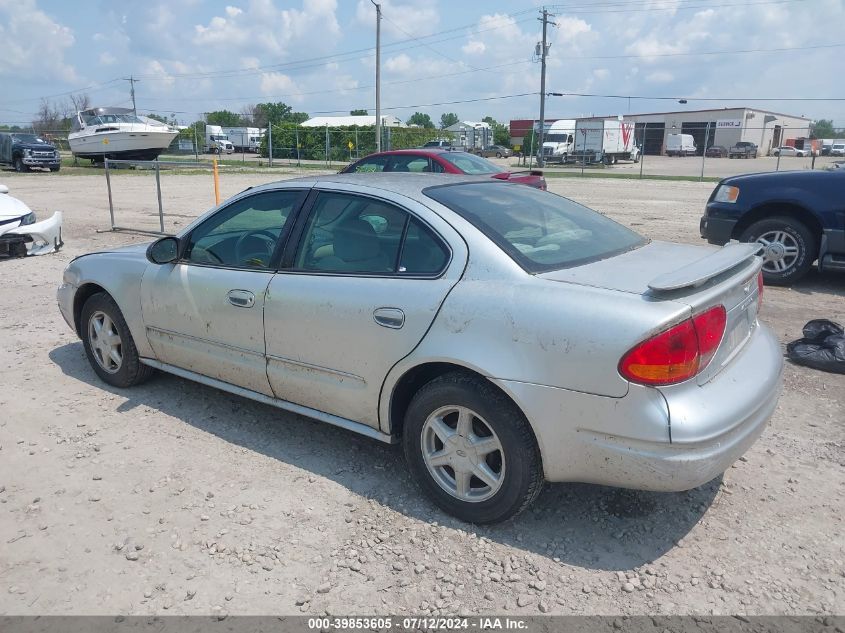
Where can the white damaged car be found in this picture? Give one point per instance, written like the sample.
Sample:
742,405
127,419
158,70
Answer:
20,234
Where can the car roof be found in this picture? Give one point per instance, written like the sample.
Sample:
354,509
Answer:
419,150
404,183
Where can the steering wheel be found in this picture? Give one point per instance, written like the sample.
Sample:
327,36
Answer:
244,256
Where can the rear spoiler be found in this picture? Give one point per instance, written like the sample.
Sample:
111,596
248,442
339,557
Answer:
698,272
507,174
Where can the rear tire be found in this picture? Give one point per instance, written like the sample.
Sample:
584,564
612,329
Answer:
458,427
109,344
791,248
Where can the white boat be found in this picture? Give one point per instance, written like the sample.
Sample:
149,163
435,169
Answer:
117,133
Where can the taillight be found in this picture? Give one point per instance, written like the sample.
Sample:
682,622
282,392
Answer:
677,354
759,291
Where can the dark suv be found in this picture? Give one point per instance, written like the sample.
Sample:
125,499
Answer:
797,216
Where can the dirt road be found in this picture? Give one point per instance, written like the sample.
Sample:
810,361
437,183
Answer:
176,498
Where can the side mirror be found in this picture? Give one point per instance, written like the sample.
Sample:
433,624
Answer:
164,250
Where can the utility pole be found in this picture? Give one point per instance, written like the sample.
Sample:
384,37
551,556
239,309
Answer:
132,81
543,52
378,75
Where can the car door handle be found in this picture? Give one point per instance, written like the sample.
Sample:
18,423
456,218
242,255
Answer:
389,317
241,298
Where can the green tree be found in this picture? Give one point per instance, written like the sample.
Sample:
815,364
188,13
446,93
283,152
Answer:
421,119
277,112
501,133
224,118
359,112
823,128
447,119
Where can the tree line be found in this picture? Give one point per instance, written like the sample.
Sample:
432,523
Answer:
57,116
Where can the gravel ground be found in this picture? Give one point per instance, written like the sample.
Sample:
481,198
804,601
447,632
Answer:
176,498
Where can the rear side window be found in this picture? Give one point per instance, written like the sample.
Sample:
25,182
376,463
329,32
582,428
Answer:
471,164
422,253
408,163
376,163
539,230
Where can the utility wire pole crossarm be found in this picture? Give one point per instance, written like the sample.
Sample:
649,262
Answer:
378,75
544,49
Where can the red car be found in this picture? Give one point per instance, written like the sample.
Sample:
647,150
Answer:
440,161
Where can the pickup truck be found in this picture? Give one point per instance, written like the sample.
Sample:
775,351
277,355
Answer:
743,149
24,151
798,217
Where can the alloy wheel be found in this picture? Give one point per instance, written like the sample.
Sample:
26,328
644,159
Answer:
780,251
105,341
463,454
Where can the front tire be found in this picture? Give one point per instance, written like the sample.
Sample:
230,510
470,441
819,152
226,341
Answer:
471,449
109,345
790,248
19,166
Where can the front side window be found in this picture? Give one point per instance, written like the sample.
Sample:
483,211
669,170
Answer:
539,230
245,233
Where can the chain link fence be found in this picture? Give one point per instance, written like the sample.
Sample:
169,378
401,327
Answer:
708,156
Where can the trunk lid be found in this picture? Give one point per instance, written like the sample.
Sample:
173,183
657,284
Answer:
699,277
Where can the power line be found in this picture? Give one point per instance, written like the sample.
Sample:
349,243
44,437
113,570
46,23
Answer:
685,99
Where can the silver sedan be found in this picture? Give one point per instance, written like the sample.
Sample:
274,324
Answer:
505,336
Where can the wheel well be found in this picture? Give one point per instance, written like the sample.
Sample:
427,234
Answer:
414,379
82,294
779,209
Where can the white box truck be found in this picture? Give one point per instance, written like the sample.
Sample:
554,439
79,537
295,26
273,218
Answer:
244,139
680,145
604,141
216,141
558,141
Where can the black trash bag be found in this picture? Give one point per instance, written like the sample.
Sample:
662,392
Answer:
823,347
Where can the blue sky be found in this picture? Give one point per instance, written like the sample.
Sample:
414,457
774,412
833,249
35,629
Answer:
195,56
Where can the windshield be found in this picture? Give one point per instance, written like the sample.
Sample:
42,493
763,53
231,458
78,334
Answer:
91,119
27,138
471,164
541,231
555,138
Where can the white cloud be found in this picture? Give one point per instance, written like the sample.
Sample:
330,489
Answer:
34,43
398,64
233,11
473,47
660,77
400,19
601,73
107,59
161,79
280,85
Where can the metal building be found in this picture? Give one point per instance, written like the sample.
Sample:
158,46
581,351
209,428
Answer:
725,127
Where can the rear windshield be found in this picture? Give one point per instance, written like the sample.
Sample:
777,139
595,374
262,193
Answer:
541,231
471,164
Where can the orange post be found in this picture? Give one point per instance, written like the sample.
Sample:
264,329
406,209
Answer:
216,182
